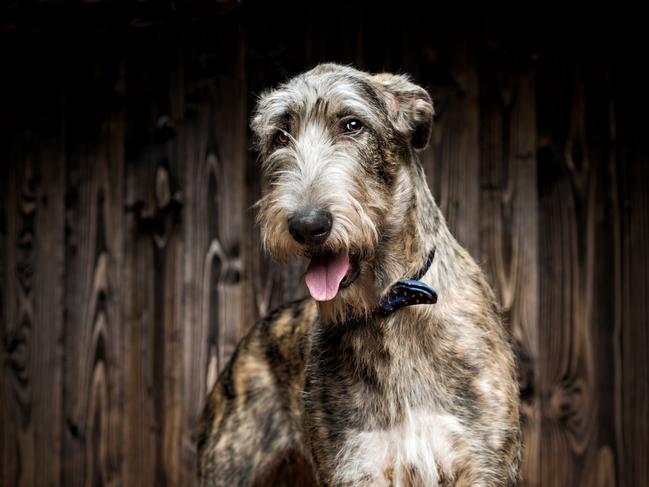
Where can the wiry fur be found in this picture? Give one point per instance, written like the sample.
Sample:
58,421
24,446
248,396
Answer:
424,396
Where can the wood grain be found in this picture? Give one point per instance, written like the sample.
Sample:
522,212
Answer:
153,270
32,323
572,321
629,180
212,144
93,339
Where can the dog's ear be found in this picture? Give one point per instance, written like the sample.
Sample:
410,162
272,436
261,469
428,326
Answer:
409,105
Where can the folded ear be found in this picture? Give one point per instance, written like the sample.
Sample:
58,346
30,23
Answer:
410,107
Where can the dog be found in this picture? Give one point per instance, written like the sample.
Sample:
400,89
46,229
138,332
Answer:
397,369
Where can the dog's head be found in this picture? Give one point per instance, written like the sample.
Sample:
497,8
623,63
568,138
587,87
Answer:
334,143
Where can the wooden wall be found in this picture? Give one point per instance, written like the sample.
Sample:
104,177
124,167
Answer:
130,264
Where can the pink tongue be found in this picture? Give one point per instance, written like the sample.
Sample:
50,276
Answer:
324,275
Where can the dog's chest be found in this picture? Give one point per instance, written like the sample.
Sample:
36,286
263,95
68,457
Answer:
421,450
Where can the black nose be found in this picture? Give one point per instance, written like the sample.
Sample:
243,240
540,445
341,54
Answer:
310,226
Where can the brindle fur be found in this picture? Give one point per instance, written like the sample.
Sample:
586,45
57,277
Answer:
424,396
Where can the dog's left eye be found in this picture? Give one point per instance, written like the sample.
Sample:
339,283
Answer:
352,126
281,137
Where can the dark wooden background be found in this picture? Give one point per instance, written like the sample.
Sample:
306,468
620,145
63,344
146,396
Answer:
129,260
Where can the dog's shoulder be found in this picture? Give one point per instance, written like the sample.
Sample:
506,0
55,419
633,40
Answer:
257,391
274,350
283,335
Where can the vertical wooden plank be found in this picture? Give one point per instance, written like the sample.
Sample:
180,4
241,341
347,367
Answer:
93,343
599,136
629,168
576,365
212,144
565,361
33,294
225,157
153,269
509,221
5,164
171,403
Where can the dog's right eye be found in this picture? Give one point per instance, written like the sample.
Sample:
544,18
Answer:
352,126
281,137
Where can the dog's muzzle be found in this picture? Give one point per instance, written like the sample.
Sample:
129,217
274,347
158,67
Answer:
329,271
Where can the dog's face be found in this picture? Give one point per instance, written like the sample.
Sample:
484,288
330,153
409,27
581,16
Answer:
333,143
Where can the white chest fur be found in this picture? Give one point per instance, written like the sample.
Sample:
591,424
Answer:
423,443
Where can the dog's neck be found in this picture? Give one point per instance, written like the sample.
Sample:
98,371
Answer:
414,227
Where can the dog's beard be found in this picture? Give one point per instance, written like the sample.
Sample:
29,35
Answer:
339,274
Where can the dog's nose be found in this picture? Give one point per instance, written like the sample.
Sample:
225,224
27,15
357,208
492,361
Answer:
310,226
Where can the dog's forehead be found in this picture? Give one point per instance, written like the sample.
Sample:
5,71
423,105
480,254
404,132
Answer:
333,91
335,83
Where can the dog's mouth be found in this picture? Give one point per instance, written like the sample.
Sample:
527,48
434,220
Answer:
329,272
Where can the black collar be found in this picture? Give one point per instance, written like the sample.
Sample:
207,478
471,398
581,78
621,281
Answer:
408,292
